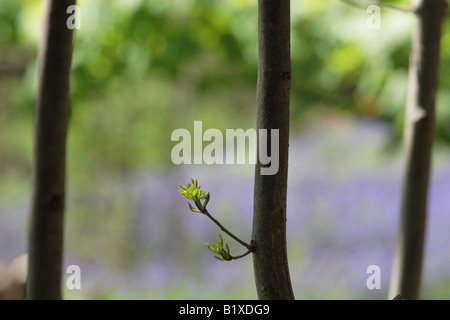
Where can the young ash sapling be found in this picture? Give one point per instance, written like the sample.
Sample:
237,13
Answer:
192,191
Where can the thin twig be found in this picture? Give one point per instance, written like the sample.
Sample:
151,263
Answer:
250,247
360,4
241,256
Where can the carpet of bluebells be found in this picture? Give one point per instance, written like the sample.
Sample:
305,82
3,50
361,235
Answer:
134,237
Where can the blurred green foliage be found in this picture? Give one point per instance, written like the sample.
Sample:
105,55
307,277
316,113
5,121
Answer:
144,68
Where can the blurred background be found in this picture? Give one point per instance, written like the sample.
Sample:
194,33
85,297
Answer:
142,69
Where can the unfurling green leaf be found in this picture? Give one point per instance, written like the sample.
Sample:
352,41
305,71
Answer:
192,208
206,200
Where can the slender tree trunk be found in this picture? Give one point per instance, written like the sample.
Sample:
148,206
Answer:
273,93
418,141
49,159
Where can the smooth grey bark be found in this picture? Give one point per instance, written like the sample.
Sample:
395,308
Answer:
51,117
418,141
272,99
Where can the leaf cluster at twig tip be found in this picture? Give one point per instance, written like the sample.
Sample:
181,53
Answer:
218,248
193,191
